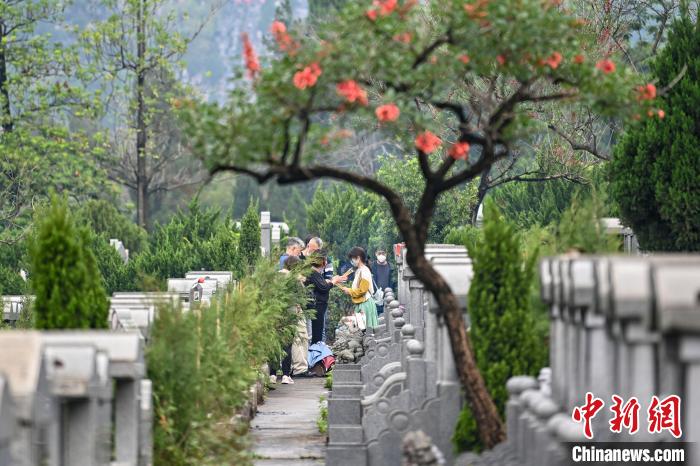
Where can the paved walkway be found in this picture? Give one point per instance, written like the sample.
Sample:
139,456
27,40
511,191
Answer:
284,431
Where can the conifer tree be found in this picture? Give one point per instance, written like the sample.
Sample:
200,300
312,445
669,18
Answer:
249,245
656,168
503,330
65,276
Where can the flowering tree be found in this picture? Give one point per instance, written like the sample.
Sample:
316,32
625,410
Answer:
462,80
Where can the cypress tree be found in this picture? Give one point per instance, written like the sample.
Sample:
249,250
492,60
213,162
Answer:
504,335
65,276
249,242
655,173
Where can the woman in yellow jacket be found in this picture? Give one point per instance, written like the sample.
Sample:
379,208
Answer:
362,287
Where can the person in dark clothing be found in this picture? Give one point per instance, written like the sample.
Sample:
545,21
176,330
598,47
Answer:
381,272
321,288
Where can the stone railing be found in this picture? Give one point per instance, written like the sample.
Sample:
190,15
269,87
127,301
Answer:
620,325
82,398
65,394
407,380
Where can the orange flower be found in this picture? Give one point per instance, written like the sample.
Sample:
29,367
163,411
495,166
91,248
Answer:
250,57
647,92
661,114
387,112
606,66
404,37
352,91
283,39
427,142
464,58
501,59
476,10
459,151
386,7
382,8
278,27
554,60
307,77
578,59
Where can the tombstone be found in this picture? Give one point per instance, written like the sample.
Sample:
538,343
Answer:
26,374
12,307
265,233
80,433
8,421
127,368
223,278
183,286
197,291
121,250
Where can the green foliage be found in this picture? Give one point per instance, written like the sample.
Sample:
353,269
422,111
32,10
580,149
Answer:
249,247
202,365
655,170
530,204
196,239
116,275
580,227
44,98
322,421
344,217
404,176
103,217
339,306
65,277
12,260
467,235
503,326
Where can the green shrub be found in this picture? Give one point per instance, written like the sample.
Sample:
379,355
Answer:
249,246
203,363
115,273
467,235
502,320
530,204
655,171
13,258
104,218
65,277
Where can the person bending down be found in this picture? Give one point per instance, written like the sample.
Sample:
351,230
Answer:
321,290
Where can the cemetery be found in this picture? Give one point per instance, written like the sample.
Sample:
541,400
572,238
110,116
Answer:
349,232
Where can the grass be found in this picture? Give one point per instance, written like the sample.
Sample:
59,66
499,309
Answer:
322,421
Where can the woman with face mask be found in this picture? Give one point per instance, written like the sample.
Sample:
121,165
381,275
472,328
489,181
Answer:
362,289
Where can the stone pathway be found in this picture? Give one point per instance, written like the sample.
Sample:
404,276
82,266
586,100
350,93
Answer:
284,431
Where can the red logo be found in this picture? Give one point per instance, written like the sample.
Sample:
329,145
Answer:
587,412
662,414
626,415
665,415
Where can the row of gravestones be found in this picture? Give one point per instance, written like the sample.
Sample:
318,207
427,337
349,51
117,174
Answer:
82,398
623,326
407,380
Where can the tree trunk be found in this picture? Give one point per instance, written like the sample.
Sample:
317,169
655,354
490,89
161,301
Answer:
141,135
7,125
489,424
480,196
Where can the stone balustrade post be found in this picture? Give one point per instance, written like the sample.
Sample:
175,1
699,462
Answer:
265,233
